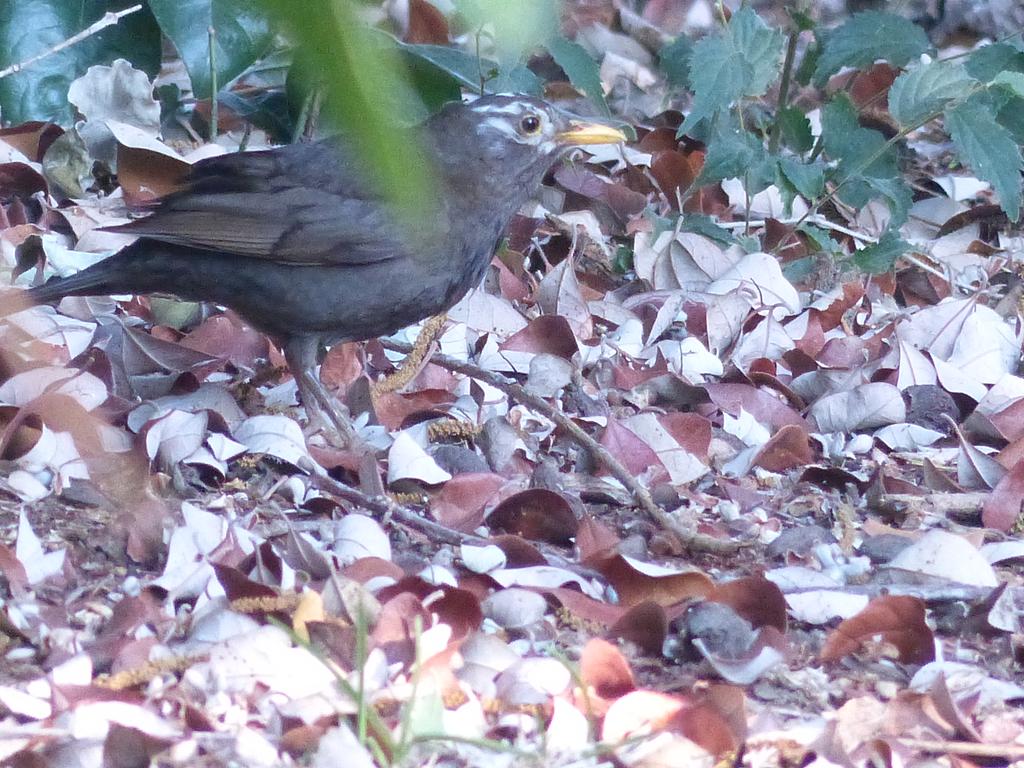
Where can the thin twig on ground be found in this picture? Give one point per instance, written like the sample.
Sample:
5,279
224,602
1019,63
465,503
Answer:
691,540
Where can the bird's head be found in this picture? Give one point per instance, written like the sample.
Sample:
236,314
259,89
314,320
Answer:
512,137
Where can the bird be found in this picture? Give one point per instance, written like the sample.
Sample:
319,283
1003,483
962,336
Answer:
300,242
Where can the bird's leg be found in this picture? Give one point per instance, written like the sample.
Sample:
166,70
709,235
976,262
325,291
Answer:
323,411
415,360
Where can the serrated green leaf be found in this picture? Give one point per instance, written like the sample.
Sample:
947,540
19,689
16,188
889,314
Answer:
699,224
734,152
926,90
808,180
896,194
31,27
796,129
988,61
820,238
867,163
880,257
675,61
867,37
1011,117
580,68
742,60
242,35
989,148
845,140
1011,81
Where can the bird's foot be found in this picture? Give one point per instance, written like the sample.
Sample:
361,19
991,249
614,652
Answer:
329,417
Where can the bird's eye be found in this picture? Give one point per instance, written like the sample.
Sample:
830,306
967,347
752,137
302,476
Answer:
530,124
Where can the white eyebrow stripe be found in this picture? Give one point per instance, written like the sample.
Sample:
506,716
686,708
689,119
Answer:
499,124
498,109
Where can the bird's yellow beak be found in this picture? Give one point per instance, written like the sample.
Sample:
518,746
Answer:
579,134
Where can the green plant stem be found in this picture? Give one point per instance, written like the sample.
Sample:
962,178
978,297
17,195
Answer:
214,85
787,75
362,629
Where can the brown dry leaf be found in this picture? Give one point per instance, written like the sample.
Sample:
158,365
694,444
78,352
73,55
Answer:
898,619
634,586
605,671
537,514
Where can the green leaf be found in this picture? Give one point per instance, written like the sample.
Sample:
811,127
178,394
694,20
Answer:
517,28
880,257
855,147
740,61
1011,81
675,61
733,152
32,27
989,148
699,224
867,37
242,35
808,180
987,62
927,90
466,69
1011,117
517,79
580,68
867,163
362,77
821,239
798,270
796,129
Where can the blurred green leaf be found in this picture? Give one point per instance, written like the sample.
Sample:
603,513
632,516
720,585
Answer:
31,27
242,35
363,81
518,27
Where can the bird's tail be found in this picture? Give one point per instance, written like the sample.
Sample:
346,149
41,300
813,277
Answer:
91,281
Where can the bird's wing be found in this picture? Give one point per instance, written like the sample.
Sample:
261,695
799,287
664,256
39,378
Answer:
300,204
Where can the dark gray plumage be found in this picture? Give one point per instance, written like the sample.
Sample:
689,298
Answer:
297,240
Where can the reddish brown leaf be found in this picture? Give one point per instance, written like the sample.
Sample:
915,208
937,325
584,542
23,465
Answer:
756,599
898,619
537,514
426,24
1005,505
635,587
461,501
788,448
604,669
646,625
